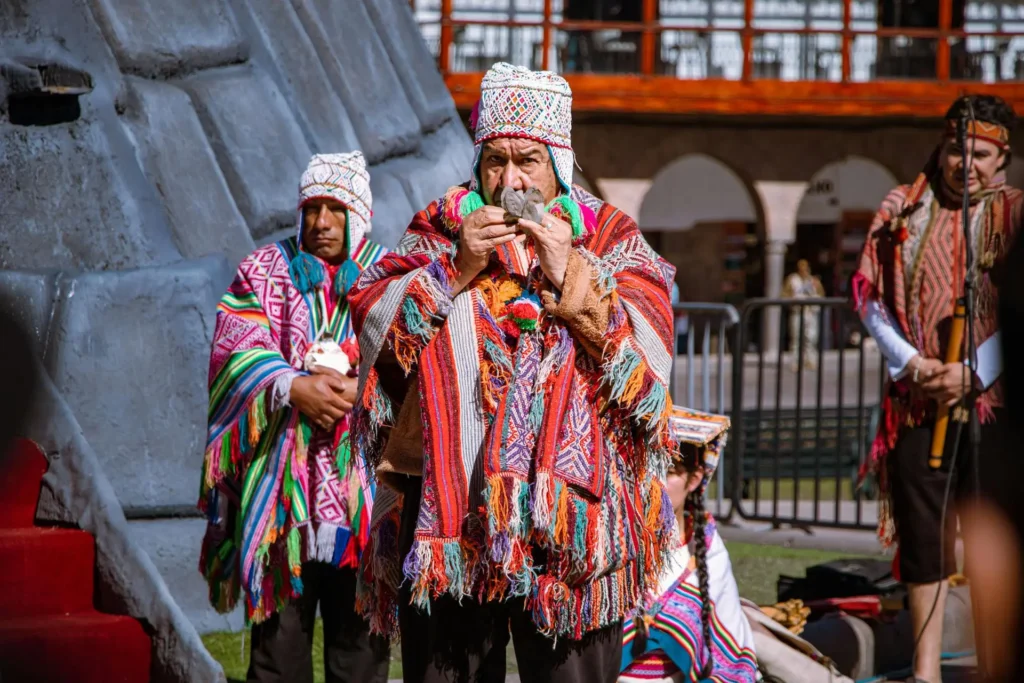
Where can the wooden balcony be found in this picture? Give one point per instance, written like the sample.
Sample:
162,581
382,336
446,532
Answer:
834,60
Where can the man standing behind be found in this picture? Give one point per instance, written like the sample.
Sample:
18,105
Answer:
911,273
288,505
542,348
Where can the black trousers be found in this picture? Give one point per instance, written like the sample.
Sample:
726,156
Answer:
463,643
918,492
282,646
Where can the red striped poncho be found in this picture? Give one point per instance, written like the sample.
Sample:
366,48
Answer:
914,263
570,445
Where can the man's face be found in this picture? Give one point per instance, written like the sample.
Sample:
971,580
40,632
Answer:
803,268
323,229
986,160
519,164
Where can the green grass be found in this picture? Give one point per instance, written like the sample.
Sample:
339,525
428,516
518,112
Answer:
227,648
756,567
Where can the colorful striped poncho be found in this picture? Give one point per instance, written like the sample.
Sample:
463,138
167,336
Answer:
535,443
668,643
277,490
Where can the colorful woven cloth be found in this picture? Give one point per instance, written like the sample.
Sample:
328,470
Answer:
913,262
278,491
705,431
519,103
668,642
531,442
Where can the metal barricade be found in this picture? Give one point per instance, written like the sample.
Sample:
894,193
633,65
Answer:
804,406
708,368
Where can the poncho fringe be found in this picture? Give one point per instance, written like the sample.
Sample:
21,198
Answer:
607,539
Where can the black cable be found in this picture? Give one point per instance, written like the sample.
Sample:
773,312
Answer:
942,536
968,161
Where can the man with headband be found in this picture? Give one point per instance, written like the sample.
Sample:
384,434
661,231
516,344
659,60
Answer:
911,273
514,397
288,505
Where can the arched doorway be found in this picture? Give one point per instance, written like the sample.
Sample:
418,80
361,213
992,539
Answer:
832,223
701,217
834,217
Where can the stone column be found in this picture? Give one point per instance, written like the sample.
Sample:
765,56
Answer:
779,203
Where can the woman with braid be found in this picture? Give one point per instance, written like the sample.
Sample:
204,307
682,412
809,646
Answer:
695,630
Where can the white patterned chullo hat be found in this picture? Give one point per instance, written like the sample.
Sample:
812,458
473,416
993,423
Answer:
520,103
342,177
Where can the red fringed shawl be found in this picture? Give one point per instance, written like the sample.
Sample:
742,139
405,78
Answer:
569,450
913,262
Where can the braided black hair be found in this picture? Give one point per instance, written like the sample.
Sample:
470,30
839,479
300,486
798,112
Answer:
695,506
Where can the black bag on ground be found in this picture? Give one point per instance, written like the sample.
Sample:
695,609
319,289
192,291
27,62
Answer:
844,578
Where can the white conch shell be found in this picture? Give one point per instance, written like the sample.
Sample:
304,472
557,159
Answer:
327,354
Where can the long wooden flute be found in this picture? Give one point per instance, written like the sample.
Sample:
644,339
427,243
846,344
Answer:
956,339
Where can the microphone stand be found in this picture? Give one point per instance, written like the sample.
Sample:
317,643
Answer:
974,426
969,401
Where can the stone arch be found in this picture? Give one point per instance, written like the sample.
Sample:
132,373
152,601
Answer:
851,184
832,222
704,218
696,188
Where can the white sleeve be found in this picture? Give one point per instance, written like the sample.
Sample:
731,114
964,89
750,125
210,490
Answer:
896,349
990,360
726,595
280,391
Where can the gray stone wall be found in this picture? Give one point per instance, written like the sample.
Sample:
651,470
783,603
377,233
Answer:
120,226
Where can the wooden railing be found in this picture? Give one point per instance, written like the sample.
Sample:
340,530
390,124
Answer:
747,66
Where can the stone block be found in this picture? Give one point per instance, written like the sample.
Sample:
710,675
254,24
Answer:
416,67
173,546
453,144
155,38
29,297
61,30
448,152
281,47
69,199
259,145
443,161
362,74
392,208
169,138
129,351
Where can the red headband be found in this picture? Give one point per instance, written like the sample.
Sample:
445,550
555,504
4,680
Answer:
981,130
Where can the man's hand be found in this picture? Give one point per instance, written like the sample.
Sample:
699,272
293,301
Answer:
482,232
920,370
948,383
553,240
324,397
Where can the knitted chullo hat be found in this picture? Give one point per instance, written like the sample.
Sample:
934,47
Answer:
519,103
342,177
